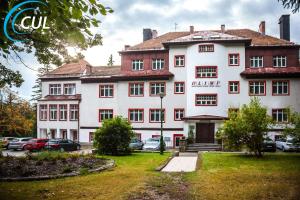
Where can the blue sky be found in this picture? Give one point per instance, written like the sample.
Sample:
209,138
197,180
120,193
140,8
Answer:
125,25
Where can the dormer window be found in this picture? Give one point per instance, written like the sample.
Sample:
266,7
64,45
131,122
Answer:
158,64
256,61
137,65
55,89
279,61
70,89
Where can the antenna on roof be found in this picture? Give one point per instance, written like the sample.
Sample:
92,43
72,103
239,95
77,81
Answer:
175,26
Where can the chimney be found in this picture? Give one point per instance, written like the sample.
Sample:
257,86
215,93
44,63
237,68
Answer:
191,29
126,47
284,26
262,27
223,28
147,34
154,33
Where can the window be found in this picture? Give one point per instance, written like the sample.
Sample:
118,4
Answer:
63,112
280,115
234,59
178,114
54,89
137,65
157,88
43,112
206,48
74,112
53,112
280,88
158,64
206,72
179,88
155,115
179,61
279,61
70,89
256,61
206,99
257,88
233,87
106,91
136,115
105,114
91,136
136,89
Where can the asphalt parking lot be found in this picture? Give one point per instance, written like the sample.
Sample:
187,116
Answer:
23,153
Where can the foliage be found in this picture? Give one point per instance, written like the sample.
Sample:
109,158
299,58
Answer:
291,4
114,136
293,129
37,88
247,127
191,136
110,60
9,77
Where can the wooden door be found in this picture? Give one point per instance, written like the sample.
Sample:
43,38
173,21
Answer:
205,133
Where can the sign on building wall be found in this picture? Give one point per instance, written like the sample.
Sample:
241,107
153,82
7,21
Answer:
206,84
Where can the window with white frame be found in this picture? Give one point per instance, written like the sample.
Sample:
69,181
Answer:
55,89
234,87
178,114
155,115
136,115
63,112
280,115
70,89
280,87
206,99
136,89
53,112
74,112
179,87
158,64
257,87
256,61
106,91
234,59
137,65
43,112
206,48
157,88
206,71
179,61
279,61
105,114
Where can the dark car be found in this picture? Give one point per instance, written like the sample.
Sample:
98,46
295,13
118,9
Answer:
5,141
62,145
269,145
136,144
36,144
18,143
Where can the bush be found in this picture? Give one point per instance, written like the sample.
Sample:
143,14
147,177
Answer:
114,137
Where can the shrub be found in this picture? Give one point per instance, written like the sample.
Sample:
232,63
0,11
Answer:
67,169
114,137
83,171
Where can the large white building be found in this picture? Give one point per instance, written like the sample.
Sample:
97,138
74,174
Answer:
203,74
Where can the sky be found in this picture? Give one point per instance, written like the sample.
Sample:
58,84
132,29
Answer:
125,25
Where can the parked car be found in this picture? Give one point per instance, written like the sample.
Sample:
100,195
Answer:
36,144
152,144
287,144
62,145
18,143
269,145
136,144
5,141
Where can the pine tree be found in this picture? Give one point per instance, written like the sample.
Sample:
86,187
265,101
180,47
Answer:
37,88
110,60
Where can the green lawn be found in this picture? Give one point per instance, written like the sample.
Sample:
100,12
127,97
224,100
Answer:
130,174
233,176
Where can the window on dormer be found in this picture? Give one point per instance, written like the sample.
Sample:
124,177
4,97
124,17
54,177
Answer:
279,61
158,64
55,89
256,61
137,65
69,89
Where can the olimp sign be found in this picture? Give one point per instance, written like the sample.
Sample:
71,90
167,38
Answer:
206,84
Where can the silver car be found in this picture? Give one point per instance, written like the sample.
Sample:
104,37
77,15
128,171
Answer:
287,144
18,143
152,144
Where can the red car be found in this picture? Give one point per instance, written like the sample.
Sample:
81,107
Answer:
36,144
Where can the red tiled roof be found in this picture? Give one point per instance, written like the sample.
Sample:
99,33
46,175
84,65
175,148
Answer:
61,97
275,72
71,68
205,117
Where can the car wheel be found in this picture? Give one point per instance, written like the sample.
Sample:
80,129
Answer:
62,149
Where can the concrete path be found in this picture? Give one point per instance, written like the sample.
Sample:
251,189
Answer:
185,162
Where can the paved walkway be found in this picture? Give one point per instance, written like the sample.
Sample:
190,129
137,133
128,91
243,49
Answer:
185,162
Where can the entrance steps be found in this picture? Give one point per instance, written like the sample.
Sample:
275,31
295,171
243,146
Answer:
203,147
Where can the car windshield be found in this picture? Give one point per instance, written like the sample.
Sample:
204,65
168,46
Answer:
53,141
152,140
15,140
25,139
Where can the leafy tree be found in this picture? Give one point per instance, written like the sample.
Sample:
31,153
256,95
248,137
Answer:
9,77
291,4
114,136
110,60
293,129
248,127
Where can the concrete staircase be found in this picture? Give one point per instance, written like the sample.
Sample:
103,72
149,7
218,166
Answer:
203,147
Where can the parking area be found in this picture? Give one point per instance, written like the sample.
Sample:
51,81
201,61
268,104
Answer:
23,153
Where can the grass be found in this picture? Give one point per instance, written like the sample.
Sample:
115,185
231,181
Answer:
128,176
234,176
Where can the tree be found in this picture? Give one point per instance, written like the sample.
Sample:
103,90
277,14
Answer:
114,136
291,4
248,127
37,88
69,25
110,60
9,77
293,129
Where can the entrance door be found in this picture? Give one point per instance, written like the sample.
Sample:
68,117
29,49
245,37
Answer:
205,133
176,138
74,135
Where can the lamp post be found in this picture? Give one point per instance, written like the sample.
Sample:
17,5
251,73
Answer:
162,146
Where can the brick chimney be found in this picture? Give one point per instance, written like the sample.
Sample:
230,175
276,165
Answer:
262,27
284,26
223,28
191,29
126,47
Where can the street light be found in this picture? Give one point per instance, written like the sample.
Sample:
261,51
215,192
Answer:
162,146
